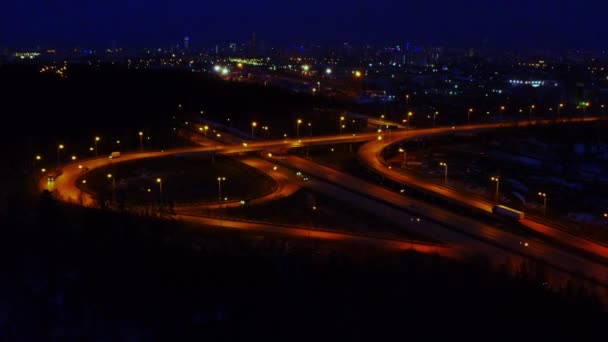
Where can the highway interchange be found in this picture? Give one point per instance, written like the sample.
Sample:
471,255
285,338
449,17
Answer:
460,236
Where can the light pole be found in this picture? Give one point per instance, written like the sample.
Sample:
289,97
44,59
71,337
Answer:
561,105
219,187
310,128
299,122
407,99
404,165
59,148
253,126
141,141
445,172
96,141
160,190
469,115
37,159
544,196
409,118
113,186
435,117
340,124
530,112
497,180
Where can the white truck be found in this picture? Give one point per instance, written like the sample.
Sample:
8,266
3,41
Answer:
507,212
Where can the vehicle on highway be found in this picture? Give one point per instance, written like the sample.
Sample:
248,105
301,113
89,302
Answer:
507,212
114,155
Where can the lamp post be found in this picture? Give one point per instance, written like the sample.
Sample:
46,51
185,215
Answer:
299,122
37,159
469,115
340,124
141,141
253,126
310,128
113,186
219,187
497,180
530,112
160,190
59,148
96,141
404,165
445,172
544,196
561,105
409,118
435,117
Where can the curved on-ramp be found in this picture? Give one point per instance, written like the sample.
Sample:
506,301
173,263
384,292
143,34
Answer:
371,155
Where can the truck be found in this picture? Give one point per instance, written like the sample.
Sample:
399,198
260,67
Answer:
114,154
507,212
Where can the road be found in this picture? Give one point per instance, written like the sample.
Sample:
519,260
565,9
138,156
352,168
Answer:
321,234
370,154
468,234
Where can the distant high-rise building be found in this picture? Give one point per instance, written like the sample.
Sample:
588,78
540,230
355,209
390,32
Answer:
186,43
232,47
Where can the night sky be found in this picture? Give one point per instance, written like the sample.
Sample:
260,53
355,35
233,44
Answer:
137,23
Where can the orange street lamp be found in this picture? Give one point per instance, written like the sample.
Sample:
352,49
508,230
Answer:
497,180
445,172
544,196
299,122
253,126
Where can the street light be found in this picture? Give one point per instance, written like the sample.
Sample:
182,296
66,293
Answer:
253,126
96,141
141,141
219,186
530,112
544,196
113,186
160,190
404,157
340,125
435,117
445,172
409,116
37,158
497,180
310,128
561,105
469,116
299,122
59,148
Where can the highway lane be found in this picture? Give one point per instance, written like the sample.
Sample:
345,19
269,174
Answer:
68,191
469,234
321,234
370,155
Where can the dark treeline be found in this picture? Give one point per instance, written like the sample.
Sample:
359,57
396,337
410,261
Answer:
81,274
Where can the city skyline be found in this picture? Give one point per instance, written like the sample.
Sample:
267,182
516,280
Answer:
500,24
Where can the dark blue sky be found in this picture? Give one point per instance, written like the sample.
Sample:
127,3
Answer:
503,23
